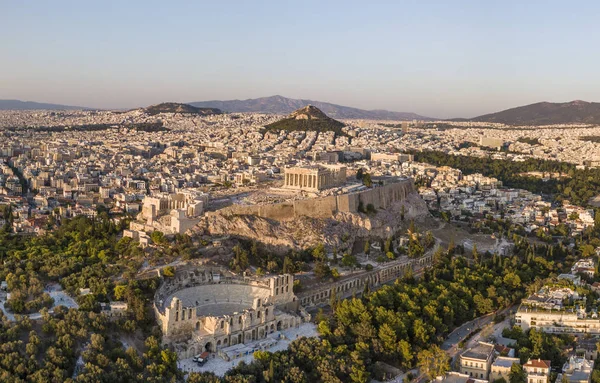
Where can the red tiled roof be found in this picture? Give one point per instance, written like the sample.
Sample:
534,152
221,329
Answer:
537,363
501,348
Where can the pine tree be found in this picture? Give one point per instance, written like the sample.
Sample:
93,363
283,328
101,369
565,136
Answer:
475,254
271,371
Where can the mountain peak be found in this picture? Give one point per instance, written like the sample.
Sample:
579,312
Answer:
308,118
309,112
547,113
32,105
278,104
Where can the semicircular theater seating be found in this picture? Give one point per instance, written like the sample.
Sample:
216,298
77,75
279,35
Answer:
219,299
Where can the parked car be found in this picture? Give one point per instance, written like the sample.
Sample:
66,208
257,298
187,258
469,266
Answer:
201,358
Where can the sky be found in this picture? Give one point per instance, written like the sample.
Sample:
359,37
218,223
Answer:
453,58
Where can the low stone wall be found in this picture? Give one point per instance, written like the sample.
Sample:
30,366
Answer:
381,197
355,284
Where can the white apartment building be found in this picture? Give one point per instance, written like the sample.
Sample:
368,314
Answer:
538,371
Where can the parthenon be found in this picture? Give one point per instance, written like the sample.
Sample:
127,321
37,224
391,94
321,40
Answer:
314,178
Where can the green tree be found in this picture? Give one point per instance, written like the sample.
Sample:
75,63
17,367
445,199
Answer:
475,254
366,179
168,271
158,238
433,362
318,252
322,271
288,266
517,374
587,250
119,291
359,174
349,260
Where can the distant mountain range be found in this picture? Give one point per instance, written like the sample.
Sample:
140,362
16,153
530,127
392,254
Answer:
284,105
541,113
31,105
545,113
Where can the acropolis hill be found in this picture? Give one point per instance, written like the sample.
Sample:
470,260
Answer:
300,219
380,197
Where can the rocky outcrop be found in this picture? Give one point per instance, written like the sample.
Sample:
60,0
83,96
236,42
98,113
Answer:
381,197
340,230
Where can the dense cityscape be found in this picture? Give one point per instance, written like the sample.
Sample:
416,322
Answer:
210,246
316,192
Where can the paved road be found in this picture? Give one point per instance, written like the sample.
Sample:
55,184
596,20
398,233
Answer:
460,333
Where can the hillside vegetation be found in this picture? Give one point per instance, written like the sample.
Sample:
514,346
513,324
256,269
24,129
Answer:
172,107
309,118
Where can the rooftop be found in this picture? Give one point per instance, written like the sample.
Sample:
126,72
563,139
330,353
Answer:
481,351
539,363
504,361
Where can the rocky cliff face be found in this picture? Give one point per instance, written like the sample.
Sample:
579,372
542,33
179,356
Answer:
305,232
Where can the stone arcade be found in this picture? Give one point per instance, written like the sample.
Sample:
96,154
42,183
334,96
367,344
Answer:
209,310
355,283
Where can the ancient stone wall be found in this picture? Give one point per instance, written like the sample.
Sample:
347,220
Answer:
354,284
381,197
324,207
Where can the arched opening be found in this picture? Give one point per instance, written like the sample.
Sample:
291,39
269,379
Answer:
253,334
226,341
279,326
266,313
218,344
272,328
208,347
197,325
240,338
258,315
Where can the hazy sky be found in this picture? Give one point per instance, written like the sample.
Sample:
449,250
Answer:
437,58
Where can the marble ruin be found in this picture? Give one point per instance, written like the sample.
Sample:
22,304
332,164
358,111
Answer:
170,213
314,178
214,310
